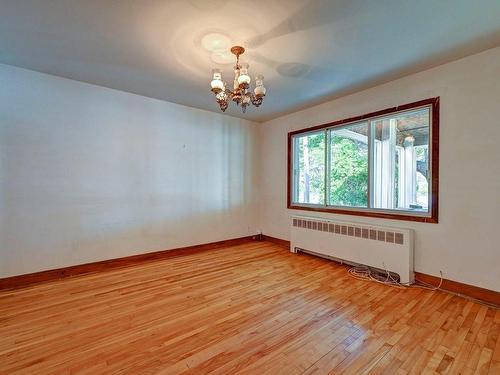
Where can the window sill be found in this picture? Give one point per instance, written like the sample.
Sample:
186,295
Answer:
405,215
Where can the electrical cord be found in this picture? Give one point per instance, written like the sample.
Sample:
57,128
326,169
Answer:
424,285
365,273
362,272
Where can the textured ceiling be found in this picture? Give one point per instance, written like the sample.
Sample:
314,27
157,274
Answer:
308,51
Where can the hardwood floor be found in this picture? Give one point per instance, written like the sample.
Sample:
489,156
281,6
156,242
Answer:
250,309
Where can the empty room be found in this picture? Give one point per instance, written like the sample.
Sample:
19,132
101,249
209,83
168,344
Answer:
249,187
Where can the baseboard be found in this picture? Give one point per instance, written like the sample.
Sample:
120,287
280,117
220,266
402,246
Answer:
20,281
15,282
471,291
276,241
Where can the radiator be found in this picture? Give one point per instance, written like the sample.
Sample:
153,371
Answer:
381,247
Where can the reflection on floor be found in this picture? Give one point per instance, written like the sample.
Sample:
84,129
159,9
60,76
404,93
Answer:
253,308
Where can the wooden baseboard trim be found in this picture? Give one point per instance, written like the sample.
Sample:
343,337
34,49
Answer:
276,241
470,291
20,281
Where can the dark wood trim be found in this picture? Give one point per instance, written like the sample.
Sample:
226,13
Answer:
15,282
466,290
20,281
277,241
434,211
435,161
382,215
289,172
404,107
471,291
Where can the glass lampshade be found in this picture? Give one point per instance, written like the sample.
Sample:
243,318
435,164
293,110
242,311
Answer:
259,90
244,77
217,83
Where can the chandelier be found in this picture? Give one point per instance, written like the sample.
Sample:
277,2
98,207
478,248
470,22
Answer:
241,94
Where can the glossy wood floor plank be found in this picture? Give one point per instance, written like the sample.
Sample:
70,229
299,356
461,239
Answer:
247,309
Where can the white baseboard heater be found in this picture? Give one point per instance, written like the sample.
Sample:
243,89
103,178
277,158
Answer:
381,247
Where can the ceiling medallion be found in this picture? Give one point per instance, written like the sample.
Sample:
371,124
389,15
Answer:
241,84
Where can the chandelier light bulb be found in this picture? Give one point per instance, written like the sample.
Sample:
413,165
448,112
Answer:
217,84
260,91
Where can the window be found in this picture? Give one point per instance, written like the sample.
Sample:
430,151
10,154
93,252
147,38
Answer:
382,164
348,178
309,159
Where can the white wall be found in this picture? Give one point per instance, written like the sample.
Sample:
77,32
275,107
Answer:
465,244
88,173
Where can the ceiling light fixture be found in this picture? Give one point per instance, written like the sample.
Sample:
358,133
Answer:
240,94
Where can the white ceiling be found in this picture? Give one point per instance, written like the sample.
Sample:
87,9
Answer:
308,51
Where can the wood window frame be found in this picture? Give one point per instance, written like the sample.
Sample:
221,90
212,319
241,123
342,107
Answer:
432,216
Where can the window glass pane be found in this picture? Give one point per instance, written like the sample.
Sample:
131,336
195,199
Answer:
348,178
309,168
401,161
